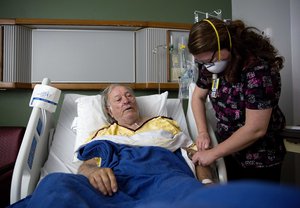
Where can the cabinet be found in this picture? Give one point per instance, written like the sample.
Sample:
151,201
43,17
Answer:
16,47
86,54
83,56
151,55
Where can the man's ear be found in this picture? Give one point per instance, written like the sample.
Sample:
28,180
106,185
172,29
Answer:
109,109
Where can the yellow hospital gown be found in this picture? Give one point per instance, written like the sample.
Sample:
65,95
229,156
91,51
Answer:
158,131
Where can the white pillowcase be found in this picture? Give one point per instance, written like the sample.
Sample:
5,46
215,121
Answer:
91,117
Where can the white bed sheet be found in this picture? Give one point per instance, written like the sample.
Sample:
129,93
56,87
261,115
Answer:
60,157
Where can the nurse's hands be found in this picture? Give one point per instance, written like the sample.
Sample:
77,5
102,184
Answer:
204,157
203,141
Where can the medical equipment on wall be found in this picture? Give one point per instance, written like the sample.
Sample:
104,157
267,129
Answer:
216,13
159,50
189,75
183,65
179,54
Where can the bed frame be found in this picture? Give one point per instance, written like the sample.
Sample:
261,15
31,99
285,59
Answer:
36,144
33,152
220,163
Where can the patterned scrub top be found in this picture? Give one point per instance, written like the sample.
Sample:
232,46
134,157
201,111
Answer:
258,88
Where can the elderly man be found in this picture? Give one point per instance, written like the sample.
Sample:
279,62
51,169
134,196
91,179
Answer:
120,107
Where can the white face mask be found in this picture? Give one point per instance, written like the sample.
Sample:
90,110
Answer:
216,67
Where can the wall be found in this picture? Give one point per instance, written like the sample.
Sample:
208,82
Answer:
282,18
141,10
14,108
273,17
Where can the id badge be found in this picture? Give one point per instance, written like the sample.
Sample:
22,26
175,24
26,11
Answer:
214,87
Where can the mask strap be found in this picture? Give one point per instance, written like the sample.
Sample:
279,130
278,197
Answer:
218,38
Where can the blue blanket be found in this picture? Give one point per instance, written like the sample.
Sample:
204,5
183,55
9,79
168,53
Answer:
152,177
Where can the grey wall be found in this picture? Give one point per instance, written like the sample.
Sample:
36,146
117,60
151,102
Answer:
295,43
274,17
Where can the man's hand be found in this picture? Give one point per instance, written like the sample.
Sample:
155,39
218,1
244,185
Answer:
102,179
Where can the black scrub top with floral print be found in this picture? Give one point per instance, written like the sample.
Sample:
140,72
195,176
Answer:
258,88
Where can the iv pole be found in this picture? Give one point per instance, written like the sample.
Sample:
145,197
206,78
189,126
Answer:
216,13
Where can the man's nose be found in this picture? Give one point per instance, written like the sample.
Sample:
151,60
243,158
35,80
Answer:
125,100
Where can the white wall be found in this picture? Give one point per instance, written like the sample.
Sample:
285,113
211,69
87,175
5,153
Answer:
275,17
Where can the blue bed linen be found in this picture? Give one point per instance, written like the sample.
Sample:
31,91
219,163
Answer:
152,177
142,171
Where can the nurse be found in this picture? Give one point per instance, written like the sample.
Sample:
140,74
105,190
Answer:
239,71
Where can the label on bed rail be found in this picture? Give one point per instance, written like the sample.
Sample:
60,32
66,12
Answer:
39,127
31,152
45,97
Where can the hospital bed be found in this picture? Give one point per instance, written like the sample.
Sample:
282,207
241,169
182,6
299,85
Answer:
48,147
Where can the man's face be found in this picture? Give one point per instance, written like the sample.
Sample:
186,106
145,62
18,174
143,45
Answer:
122,104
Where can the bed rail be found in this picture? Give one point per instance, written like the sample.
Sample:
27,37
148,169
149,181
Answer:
33,152
220,163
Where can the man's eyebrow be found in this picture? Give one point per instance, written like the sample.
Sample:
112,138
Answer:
128,93
116,96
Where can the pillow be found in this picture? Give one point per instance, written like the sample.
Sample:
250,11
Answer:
91,117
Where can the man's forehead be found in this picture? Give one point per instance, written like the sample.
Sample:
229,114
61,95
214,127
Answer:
119,90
